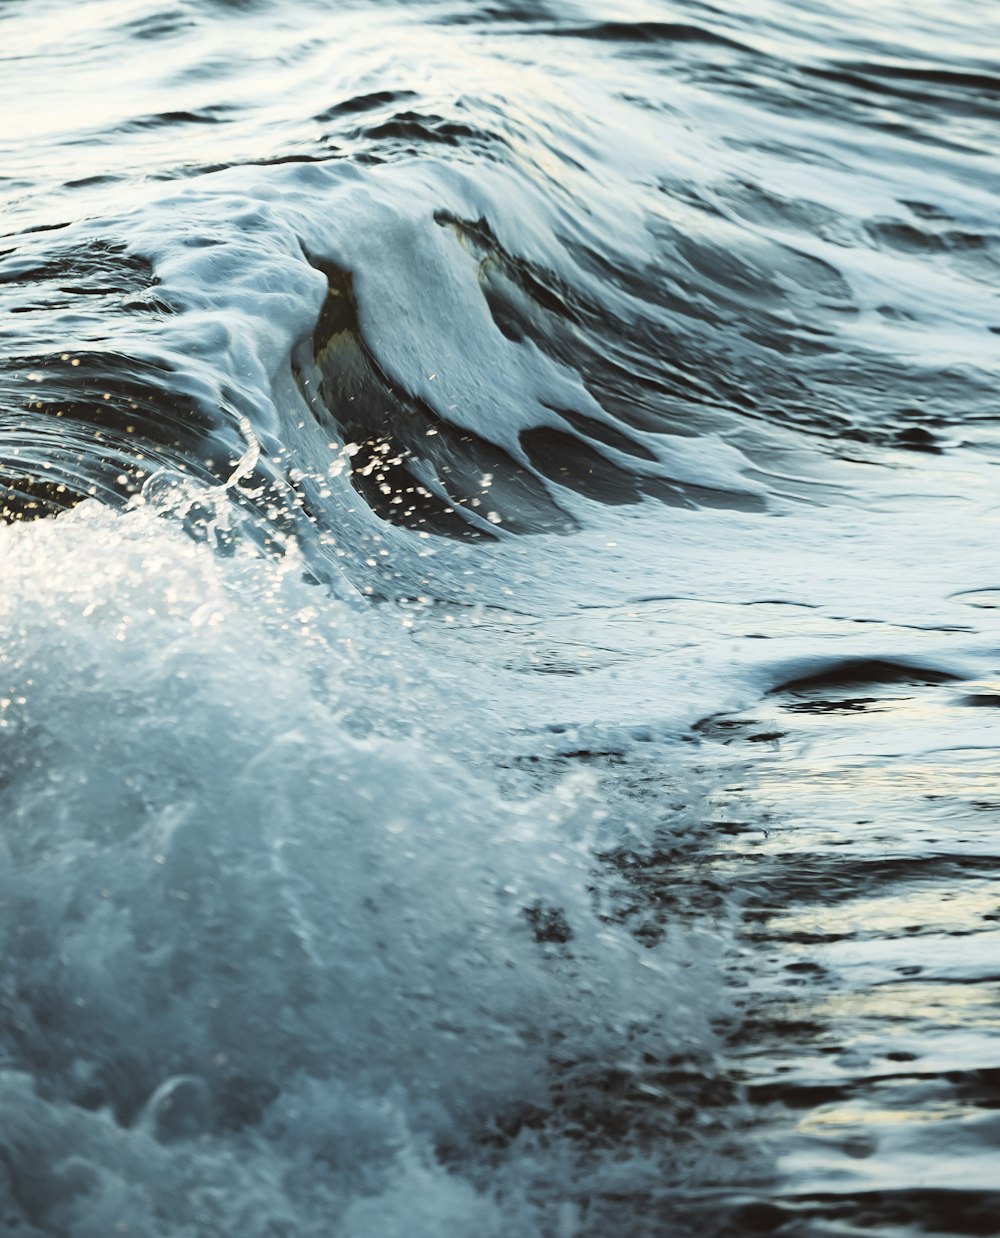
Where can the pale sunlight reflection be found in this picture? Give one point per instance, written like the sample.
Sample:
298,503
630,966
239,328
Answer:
943,907
822,1121
961,1007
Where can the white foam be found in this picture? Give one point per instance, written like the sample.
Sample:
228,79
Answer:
258,874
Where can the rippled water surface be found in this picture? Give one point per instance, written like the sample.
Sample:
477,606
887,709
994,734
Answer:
500,681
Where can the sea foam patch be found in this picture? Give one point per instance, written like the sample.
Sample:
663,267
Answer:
276,949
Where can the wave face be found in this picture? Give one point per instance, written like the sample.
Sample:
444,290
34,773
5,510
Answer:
498,673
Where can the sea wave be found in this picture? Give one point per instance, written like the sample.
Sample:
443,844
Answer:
497,735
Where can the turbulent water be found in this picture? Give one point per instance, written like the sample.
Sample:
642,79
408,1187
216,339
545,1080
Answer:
500,670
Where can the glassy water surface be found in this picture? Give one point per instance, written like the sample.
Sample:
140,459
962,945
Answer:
500,678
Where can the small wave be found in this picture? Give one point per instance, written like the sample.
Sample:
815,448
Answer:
651,32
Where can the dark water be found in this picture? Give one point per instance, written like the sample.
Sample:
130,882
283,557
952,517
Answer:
500,679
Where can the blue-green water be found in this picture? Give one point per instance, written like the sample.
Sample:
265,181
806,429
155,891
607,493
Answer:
498,651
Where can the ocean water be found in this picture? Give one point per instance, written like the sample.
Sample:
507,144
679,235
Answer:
500,637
